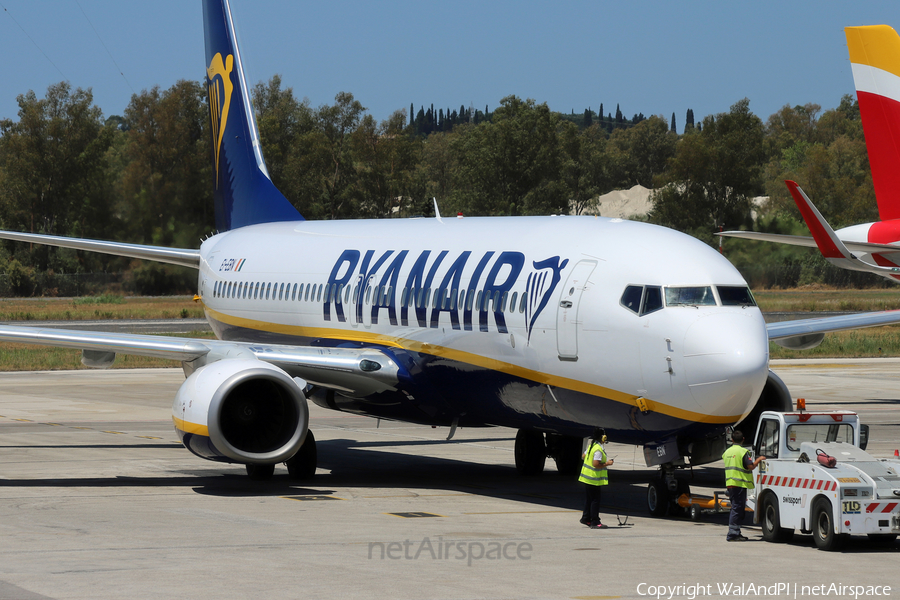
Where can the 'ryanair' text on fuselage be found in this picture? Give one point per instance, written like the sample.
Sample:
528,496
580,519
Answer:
375,285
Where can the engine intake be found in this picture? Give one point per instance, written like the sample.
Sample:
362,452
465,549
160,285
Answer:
241,410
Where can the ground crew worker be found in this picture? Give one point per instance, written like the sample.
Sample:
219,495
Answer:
738,479
594,476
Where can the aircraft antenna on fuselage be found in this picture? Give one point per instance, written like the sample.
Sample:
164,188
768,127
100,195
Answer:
437,212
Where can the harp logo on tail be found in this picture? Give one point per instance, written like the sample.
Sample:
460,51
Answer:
219,88
539,290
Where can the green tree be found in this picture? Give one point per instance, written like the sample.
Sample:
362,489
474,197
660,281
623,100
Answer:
336,123
53,164
165,187
512,164
585,169
385,159
640,153
713,175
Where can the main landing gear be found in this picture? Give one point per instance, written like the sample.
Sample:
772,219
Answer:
300,466
533,448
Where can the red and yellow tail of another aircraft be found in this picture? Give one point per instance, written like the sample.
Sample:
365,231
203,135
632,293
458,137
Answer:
875,58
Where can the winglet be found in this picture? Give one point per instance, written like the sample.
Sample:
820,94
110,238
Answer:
827,240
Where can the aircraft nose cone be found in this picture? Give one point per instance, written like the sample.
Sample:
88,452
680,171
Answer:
726,360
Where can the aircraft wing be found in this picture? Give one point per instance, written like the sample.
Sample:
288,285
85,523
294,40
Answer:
786,329
354,371
184,257
803,334
806,241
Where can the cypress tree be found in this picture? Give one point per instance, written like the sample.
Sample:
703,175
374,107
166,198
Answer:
420,121
588,118
672,126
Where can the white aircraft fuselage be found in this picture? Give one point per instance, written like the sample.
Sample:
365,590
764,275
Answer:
513,321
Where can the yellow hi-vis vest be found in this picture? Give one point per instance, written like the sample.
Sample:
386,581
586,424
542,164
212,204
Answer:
589,474
735,473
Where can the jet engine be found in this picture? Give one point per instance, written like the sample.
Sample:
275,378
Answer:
241,410
775,396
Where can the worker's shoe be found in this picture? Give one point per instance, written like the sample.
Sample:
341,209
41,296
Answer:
739,538
585,522
599,526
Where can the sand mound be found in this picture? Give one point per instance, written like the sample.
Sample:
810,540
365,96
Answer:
624,203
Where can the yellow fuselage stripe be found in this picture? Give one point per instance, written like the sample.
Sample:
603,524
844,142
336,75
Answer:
471,359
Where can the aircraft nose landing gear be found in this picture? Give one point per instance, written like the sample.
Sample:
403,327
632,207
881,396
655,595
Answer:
663,493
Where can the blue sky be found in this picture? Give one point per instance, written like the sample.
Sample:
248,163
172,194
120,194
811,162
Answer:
649,57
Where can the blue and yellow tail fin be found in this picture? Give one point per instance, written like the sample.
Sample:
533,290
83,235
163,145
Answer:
244,193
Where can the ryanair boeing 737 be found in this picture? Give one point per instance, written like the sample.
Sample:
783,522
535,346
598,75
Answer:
549,325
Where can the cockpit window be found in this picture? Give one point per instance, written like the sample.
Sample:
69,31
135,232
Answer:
690,296
735,295
652,299
642,299
631,299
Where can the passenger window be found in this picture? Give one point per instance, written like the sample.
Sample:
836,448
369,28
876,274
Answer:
268,289
319,294
281,292
478,300
652,300
470,299
453,300
523,302
631,298
462,298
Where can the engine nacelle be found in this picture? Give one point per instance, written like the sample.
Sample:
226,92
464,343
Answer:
775,396
241,410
